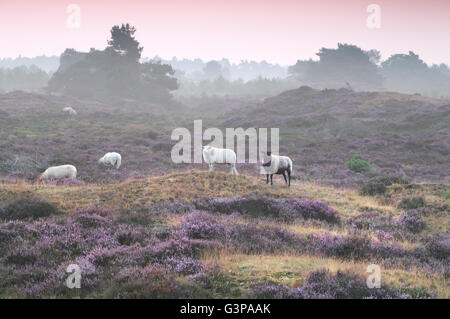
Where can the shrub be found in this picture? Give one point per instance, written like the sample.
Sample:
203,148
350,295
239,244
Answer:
372,220
27,208
412,222
446,193
268,291
372,188
439,246
411,202
311,209
321,284
378,185
201,225
286,209
357,164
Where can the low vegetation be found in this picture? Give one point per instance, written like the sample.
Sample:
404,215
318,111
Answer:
224,236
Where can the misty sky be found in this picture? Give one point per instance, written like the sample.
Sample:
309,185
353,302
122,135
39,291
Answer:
279,31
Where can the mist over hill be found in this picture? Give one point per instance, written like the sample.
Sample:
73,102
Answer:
404,135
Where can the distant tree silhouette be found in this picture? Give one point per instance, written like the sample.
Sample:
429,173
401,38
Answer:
408,73
124,43
115,73
213,70
347,63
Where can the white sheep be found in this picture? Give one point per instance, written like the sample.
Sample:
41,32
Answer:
59,172
69,110
214,155
112,158
275,164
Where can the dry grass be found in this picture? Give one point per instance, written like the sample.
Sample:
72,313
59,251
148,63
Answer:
292,270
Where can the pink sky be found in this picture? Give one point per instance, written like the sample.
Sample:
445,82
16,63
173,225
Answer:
279,31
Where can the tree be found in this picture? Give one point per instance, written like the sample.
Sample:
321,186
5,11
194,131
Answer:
213,70
114,73
408,73
124,43
335,67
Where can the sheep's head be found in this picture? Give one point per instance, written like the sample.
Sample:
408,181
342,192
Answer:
207,148
41,177
266,158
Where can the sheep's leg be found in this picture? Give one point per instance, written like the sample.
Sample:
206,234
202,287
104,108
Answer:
267,179
284,175
234,170
289,176
271,179
211,166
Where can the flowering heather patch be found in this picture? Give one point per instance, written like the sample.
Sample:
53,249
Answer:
413,222
286,209
247,237
439,247
201,225
321,284
175,207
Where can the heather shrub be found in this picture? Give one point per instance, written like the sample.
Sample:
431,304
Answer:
285,209
372,188
378,185
253,206
27,208
389,180
439,246
322,284
175,207
344,285
268,291
143,283
373,220
411,202
411,221
247,237
201,225
310,209
251,238
357,164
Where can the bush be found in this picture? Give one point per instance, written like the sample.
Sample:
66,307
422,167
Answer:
446,193
286,209
321,284
412,222
201,225
372,188
378,185
411,202
439,246
27,208
357,164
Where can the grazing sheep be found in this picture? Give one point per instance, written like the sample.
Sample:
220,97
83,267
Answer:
114,159
59,172
214,155
275,164
69,110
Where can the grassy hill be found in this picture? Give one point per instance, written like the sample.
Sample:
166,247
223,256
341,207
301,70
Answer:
404,135
223,236
155,229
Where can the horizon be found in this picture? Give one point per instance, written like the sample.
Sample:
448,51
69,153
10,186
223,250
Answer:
279,32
